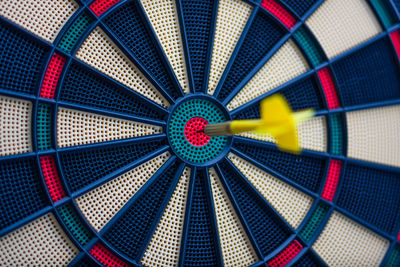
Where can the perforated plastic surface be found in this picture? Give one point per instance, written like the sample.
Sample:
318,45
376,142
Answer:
291,203
272,74
342,24
358,245
40,242
44,18
235,245
101,53
116,192
97,125
373,135
231,20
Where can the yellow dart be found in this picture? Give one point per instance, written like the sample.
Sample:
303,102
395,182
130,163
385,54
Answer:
277,119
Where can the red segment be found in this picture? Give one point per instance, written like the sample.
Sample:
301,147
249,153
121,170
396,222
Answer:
194,131
398,238
279,12
51,178
52,76
286,255
100,6
106,257
395,36
329,88
335,166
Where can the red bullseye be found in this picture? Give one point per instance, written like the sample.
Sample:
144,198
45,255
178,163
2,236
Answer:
194,131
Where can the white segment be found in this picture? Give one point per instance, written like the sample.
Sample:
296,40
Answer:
164,246
287,63
292,204
100,52
76,127
44,18
374,135
15,126
235,245
163,17
344,242
342,24
231,19
312,134
101,204
42,242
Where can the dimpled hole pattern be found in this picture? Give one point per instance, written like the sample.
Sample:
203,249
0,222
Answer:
193,131
74,224
164,246
235,245
332,180
291,203
43,126
44,18
163,17
373,135
100,6
106,257
39,243
51,76
312,134
100,52
339,25
286,255
231,20
279,12
51,178
71,37
114,194
344,242
287,63
314,222
183,113
15,123
76,127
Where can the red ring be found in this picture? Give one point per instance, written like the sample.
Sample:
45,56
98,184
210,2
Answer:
194,132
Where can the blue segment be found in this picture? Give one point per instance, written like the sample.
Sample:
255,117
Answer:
397,5
308,260
299,7
83,167
303,170
368,75
21,62
267,229
86,261
301,95
21,191
197,16
129,27
263,34
82,86
201,247
129,234
372,195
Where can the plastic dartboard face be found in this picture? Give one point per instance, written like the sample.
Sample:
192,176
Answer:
102,156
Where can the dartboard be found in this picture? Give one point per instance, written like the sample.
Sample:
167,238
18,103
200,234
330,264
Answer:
103,157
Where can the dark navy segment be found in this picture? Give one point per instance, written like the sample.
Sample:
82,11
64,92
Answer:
372,195
83,87
303,94
130,232
266,227
397,5
300,7
201,245
304,170
197,16
368,75
263,34
22,62
83,167
21,190
86,261
128,26
308,260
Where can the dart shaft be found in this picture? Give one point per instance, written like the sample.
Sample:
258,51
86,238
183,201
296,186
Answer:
218,129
